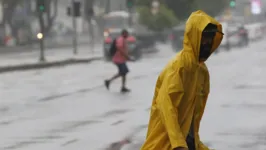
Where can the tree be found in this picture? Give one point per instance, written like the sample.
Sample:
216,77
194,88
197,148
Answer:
181,8
163,20
9,7
147,2
212,7
50,17
89,13
7,11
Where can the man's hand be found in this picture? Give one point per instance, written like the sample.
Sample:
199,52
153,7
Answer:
131,59
180,148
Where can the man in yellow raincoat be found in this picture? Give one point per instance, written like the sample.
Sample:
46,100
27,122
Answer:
182,89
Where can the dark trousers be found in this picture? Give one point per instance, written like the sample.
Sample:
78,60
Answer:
190,143
122,69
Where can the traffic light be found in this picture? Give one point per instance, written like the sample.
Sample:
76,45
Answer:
232,4
40,5
130,3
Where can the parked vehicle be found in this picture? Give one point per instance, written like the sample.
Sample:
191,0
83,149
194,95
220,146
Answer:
176,37
243,34
235,35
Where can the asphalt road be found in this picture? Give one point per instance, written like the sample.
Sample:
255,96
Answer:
69,108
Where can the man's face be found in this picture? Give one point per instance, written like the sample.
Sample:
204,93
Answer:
125,34
205,48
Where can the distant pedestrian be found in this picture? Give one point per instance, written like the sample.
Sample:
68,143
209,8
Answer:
119,59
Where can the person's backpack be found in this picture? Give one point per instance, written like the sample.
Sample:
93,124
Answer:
113,48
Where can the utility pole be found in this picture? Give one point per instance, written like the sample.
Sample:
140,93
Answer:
130,5
40,7
74,24
91,33
41,37
108,6
88,9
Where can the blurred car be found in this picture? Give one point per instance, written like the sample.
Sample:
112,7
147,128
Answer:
146,38
176,37
243,33
233,36
255,31
134,51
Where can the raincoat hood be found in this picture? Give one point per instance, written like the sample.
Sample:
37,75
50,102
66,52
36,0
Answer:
181,92
195,25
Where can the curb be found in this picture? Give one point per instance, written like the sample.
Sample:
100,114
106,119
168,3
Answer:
36,47
34,66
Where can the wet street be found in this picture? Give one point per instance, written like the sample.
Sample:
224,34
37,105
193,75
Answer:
70,109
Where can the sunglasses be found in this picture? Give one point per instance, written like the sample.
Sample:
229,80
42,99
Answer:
211,32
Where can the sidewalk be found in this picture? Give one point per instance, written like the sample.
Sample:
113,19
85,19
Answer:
53,57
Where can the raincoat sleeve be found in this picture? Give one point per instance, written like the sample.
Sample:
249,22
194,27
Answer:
169,97
206,91
205,97
203,147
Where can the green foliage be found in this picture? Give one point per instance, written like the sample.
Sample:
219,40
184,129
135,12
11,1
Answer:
147,2
164,19
212,7
183,8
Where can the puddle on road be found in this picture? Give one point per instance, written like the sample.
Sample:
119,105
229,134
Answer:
33,141
70,126
53,97
115,112
69,142
22,144
255,107
49,137
4,109
128,141
4,123
58,96
13,120
117,122
246,86
62,95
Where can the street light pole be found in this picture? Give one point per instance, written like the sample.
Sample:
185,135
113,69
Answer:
41,21
74,24
108,6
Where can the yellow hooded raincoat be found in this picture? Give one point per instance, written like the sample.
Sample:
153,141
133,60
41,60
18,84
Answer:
181,91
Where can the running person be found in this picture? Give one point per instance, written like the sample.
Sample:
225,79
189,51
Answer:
119,59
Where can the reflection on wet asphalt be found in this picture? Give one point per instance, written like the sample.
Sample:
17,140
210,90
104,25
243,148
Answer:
254,87
73,125
115,112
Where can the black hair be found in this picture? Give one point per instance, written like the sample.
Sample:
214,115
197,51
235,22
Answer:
210,26
124,31
210,30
